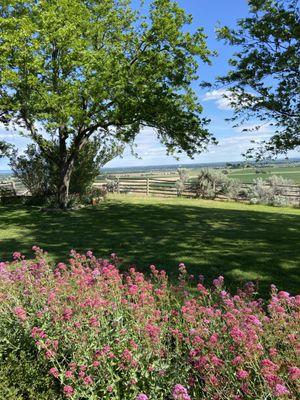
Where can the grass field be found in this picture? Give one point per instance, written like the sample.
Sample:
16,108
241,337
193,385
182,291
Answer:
246,175
236,240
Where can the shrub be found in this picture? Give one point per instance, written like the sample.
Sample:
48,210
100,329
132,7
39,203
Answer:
112,185
210,183
233,189
35,172
271,191
40,175
207,183
100,333
183,179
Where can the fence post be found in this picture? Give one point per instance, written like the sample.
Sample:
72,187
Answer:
148,186
118,185
13,186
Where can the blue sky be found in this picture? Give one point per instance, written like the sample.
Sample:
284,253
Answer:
232,141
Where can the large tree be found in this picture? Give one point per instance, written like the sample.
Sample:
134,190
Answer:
264,79
73,69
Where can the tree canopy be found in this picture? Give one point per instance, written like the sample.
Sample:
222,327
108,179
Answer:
73,69
4,147
264,80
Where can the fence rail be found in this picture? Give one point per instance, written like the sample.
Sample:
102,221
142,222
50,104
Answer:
166,187
161,187
12,188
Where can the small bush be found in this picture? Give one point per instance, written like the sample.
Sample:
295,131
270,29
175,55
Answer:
35,172
40,175
210,183
271,191
23,373
86,331
183,179
111,185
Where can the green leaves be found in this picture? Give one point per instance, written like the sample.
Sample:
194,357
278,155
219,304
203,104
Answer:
4,148
265,75
100,65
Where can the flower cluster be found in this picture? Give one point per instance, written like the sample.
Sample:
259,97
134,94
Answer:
111,335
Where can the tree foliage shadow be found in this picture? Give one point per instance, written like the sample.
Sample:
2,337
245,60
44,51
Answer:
239,244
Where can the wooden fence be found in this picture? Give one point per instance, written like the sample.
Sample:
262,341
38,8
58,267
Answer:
13,188
166,187
161,187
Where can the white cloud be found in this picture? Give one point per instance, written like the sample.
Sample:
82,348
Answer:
217,96
232,143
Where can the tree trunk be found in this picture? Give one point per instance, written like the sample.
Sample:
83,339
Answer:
64,184
66,165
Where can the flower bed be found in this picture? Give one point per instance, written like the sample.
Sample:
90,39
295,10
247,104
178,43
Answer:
97,333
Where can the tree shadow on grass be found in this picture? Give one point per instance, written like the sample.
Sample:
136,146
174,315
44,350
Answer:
239,244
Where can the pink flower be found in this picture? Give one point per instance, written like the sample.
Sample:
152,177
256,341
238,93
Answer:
94,322
242,374
20,313
142,396
214,338
182,268
88,380
294,373
219,281
237,335
89,254
180,393
280,390
133,289
53,371
81,374
216,361
237,360
17,255
68,391
69,374
38,333
283,295
153,331
273,352
67,314
202,289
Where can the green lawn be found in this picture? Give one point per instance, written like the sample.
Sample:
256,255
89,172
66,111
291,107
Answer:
247,175
236,240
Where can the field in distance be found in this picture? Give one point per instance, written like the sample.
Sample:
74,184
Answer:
245,175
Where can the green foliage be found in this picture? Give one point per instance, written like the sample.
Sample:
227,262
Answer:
264,79
4,147
272,191
23,374
209,183
35,172
87,165
77,69
183,178
41,176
